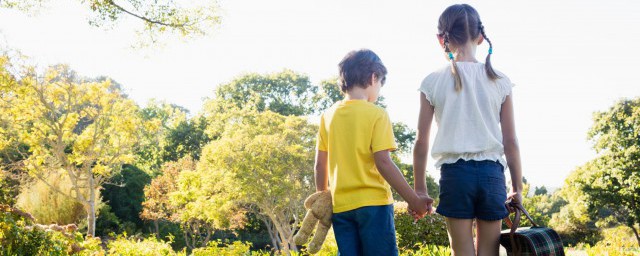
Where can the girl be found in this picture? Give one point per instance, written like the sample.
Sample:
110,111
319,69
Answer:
474,111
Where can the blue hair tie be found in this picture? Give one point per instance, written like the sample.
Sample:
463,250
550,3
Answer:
490,50
450,55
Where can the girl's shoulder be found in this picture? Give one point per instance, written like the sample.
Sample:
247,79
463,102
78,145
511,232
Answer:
437,75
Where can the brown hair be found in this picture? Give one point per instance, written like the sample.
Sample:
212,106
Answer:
457,25
356,69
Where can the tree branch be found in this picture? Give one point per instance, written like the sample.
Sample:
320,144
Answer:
145,18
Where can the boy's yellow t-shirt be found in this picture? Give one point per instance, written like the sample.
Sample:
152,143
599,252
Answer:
350,132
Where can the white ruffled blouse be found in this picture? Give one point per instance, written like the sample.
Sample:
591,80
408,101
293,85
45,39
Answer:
468,121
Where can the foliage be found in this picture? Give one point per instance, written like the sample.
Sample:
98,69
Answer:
46,205
83,129
125,194
8,188
19,236
432,229
573,222
427,250
168,135
157,204
611,182
205,203
405,137
217,248
187,19
16,239
145,247
255,154
107,223
286,93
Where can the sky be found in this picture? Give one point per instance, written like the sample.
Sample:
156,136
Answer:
568,59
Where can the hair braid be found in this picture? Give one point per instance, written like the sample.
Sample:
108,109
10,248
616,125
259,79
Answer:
454,66
487,65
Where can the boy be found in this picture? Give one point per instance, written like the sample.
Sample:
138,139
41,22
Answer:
354,140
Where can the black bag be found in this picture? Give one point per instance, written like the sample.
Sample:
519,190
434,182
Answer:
535,240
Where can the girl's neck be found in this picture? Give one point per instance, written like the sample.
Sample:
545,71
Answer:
466,53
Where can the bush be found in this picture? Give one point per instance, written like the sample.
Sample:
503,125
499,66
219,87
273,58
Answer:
217,248
431,230
146,247
20,236
428,250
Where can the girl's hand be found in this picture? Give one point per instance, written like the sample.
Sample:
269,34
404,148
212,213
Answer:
515,196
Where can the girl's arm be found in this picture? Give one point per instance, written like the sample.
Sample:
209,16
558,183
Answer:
391,173
421,148
321,171
511,148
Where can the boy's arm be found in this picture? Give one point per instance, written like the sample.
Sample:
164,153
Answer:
321,171
511,148
392,175
421,148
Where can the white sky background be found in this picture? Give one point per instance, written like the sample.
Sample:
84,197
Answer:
567,58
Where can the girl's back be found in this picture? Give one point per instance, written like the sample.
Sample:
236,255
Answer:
468,120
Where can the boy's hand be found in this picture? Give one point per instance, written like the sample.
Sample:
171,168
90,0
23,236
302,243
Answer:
422,207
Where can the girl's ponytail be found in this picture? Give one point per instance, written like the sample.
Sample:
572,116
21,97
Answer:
487,65
454,66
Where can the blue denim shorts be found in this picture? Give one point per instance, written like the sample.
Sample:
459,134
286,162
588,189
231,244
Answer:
473,189
366,231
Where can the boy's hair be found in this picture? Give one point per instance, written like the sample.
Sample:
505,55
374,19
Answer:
457,25
356,69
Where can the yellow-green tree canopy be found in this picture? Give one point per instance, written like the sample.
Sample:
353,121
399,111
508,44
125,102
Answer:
79,128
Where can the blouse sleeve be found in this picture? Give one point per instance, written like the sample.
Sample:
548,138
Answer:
427,89
505,85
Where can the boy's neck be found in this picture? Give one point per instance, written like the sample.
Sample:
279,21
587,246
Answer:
357,93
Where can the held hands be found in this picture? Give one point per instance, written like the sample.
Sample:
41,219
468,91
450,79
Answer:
422,207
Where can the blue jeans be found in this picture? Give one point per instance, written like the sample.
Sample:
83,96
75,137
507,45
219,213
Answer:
366,231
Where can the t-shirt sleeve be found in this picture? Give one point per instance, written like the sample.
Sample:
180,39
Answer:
382,137
321,139
426,87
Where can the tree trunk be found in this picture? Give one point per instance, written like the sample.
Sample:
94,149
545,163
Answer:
185,233
284,235
157,226
91,214
635,231
272,234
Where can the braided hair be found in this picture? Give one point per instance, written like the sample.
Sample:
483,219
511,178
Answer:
459,24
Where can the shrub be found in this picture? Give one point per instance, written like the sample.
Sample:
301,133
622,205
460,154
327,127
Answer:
217,248
428,250
20,236
146,247
431,230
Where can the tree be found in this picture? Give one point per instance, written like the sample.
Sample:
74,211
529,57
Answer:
160,118
206,203
77,128
157,17
268,159
612,180
540,191
125,193
157,206
286,93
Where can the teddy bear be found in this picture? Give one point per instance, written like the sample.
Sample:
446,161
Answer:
319,210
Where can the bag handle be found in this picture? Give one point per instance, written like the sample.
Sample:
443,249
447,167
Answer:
515,206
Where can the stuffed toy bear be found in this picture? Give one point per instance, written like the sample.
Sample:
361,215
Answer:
319,210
